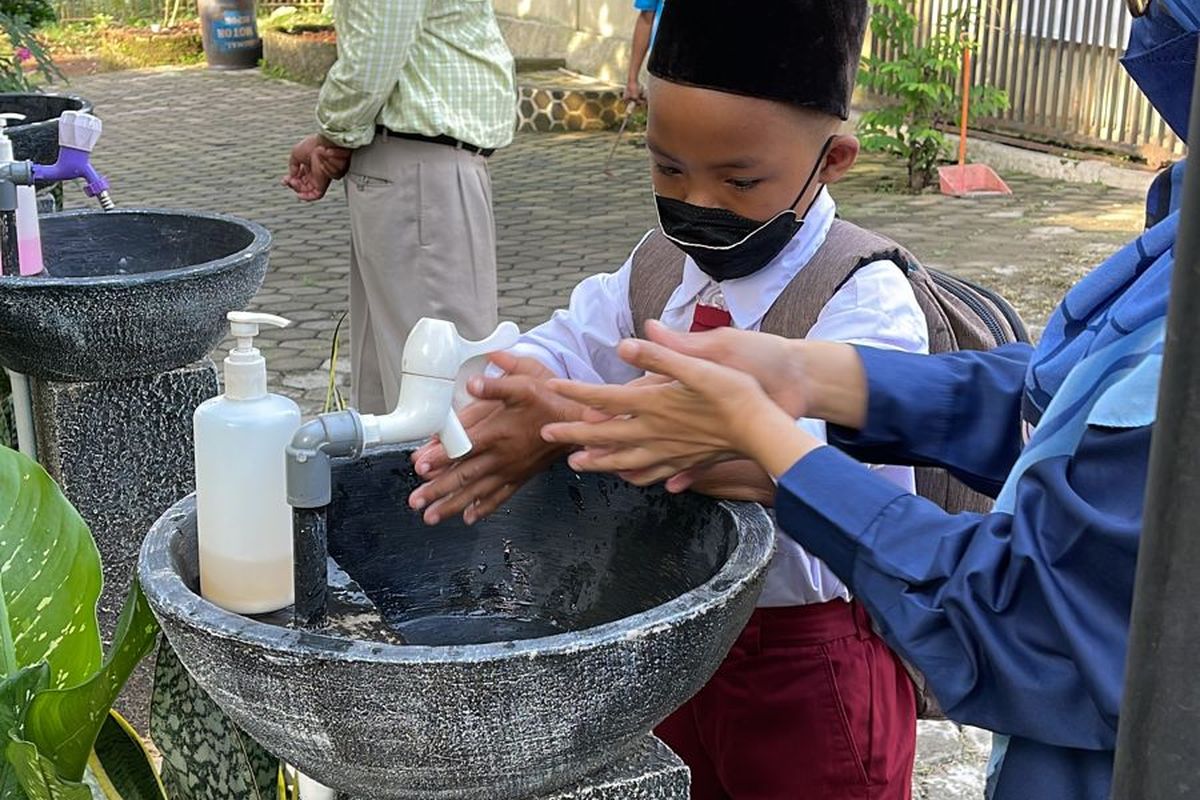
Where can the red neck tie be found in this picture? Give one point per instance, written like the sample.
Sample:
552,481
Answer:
706,318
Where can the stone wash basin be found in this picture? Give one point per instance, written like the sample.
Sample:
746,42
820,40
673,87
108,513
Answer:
541,644
128,293
36,137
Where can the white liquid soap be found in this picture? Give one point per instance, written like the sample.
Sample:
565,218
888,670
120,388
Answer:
29,236
243,518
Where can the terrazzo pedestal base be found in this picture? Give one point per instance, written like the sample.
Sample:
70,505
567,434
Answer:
649,772
122,452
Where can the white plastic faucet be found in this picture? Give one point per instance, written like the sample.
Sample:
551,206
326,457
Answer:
79,130
435,357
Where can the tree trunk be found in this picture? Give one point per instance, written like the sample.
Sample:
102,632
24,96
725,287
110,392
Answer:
918,179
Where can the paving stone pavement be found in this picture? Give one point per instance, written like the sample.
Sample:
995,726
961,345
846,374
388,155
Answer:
219,142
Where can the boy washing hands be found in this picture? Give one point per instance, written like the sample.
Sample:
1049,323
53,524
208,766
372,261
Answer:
746,105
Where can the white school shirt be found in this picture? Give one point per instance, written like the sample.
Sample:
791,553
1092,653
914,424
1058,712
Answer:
876,307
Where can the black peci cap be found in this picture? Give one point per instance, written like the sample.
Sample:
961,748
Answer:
802,52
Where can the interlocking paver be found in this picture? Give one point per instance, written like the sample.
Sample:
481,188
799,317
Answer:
219,141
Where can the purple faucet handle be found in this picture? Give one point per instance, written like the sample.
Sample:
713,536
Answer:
73,164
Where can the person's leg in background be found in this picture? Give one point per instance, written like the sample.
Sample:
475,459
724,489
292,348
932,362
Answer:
423,245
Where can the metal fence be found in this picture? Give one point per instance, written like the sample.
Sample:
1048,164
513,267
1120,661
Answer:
1059,61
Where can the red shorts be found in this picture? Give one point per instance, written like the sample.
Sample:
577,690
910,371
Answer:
810,703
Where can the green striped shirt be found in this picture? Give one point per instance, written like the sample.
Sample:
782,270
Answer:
431,67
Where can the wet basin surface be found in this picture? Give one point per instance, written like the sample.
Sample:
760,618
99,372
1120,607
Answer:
591,562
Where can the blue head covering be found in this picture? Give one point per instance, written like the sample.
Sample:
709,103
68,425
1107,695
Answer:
1161,57
1131,288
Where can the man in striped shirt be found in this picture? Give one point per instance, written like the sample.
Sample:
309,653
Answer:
422,93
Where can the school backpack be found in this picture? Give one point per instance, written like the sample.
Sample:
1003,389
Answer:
960,316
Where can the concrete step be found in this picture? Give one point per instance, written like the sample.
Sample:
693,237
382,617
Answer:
560,100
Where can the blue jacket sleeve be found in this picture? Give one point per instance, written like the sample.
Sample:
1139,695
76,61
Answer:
960,411
1019,621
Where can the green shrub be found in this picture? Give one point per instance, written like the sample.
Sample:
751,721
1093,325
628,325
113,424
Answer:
290,19
34,12
25,49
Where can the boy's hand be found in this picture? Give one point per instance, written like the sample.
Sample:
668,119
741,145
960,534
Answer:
507,448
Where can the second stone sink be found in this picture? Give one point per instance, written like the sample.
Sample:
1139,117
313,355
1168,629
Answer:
538,646
35,138
129,292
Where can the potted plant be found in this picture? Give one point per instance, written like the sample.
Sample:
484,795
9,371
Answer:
299,45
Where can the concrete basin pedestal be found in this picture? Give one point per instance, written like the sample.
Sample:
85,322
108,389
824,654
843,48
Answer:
650,772
115,340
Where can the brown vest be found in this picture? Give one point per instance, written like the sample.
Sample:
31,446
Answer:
951,310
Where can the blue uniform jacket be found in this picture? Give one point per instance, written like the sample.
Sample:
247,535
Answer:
1018,618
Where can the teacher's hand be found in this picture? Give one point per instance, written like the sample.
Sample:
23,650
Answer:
776,363
708,413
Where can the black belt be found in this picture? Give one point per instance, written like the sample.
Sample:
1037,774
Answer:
449,141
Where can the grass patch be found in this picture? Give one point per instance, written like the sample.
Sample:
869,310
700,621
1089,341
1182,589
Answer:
294,20
273,71
125,46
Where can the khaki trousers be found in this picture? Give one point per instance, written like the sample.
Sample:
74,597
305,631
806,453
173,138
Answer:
422,244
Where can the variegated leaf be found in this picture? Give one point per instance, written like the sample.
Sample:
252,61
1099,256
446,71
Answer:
205,755
50,577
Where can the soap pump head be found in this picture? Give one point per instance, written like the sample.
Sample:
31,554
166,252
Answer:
245,367
6,148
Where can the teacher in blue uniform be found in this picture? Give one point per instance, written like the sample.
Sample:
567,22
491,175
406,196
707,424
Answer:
1018,618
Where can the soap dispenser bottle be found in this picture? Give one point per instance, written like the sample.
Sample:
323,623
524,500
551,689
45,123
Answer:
27,228
244,522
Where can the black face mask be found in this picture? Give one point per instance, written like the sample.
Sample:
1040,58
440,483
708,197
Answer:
726,245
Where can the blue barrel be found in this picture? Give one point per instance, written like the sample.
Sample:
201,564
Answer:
230,33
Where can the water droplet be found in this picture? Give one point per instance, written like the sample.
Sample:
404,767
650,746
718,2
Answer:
576,497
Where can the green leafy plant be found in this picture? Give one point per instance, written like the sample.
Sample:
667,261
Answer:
34,12
27,58
205,756
290,19
59,737
921,86
172,10
56,690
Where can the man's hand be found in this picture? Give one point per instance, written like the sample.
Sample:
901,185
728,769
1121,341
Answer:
334,161
634,93
507,447
313,165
